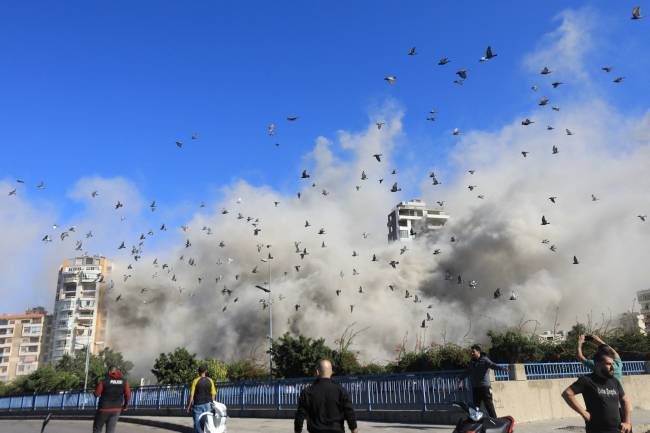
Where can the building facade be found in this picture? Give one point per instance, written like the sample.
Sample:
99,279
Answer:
643,298
80,318
411,219
24,342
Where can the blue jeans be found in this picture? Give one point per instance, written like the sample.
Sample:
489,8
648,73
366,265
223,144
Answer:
197,411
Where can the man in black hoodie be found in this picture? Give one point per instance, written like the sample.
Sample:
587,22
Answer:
325,404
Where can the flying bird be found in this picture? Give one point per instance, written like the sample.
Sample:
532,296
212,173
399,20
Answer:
575,260
553,198
462,74
642,217
545,71
292,118
545,221
636,13
443,61
556,84
305,175
395,188
380,124
607,69
390,79
412,51
527,122
377,156
488,55
618,79
264,289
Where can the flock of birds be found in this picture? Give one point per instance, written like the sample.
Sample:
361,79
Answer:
302,250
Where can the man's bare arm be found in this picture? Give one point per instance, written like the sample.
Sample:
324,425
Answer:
599,340
570,398
581,341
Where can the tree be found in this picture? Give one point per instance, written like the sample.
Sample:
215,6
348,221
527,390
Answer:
175,368
97,365
246,369
512,346
217,370
442,357
297,356
44,380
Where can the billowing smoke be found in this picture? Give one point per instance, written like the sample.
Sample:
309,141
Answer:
196,286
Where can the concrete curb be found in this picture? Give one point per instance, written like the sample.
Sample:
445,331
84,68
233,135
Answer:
128,419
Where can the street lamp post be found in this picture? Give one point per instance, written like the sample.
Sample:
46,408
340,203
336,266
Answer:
87,360
268,290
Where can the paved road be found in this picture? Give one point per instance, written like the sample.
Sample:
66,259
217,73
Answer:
255,425
63,426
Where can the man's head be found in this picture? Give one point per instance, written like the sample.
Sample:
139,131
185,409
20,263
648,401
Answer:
475,351
112,368
324,369
203,370
604,362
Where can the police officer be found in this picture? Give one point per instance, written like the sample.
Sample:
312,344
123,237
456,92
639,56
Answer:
114,394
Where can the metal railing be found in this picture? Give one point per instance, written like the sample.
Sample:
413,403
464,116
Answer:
559,370
406,391
417,391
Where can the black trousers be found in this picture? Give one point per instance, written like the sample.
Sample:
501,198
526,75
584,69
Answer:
105,418
483,394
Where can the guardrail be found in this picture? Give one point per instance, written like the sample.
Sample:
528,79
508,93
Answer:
407,391
558,370
417,391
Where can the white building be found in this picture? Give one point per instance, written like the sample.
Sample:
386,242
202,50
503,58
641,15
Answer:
632,322
79,308
552,338
410,219
643,297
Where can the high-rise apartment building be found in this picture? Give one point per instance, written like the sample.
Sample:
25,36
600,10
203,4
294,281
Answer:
79,308
410,219
23,342
643,297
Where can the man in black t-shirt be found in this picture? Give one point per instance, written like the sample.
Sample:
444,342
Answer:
602,394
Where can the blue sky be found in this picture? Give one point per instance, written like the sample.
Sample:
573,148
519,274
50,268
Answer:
106,89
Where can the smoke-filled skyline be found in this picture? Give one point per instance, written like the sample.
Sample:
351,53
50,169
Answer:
204,297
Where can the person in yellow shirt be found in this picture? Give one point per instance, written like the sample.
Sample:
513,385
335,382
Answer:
202,393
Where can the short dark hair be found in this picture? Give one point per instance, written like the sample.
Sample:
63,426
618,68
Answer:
112,368
203,368
602,354
476,347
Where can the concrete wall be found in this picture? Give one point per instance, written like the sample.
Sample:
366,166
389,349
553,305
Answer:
535,400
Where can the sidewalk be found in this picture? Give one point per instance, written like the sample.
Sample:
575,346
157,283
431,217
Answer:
640,419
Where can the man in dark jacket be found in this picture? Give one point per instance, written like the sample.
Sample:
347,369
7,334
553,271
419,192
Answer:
325,404
479,376
114,394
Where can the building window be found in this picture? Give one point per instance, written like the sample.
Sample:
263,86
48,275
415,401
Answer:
403,234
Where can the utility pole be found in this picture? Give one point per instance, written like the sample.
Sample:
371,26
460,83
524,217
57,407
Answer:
268,286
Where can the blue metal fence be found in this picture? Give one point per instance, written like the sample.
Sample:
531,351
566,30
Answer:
558,370
416,391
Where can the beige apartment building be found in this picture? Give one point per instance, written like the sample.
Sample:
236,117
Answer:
24,342
80,318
